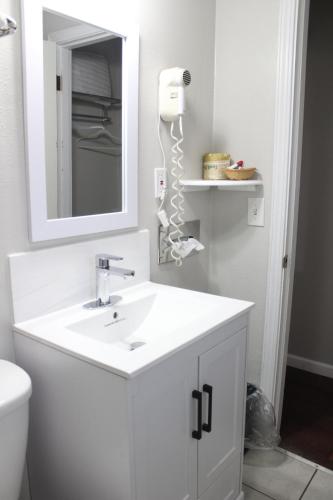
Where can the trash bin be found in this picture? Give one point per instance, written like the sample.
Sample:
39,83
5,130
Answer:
260,425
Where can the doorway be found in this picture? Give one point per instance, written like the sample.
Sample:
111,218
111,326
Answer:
307,417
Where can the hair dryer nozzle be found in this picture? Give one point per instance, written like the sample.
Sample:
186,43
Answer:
175,76
187,77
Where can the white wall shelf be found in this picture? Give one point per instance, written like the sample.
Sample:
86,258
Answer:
225,185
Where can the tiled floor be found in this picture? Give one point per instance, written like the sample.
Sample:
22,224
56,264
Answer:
274,475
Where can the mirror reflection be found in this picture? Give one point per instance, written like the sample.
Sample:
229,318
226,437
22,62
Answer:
83,118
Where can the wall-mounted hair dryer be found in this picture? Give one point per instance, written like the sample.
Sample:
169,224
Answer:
171,109
172,93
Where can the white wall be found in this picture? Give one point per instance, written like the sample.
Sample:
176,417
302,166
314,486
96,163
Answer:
312,318
244,106
167,39
13,206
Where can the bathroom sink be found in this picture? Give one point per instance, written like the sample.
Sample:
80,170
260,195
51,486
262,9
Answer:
150,322
119,324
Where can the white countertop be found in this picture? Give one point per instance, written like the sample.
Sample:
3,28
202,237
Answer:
176,317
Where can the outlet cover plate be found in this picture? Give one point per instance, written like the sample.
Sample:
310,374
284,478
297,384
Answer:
160,181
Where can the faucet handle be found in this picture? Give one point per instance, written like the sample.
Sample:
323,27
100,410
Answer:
103,260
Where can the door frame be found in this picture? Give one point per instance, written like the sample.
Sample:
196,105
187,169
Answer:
288,135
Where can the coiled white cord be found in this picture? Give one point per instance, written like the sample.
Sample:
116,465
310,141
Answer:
181,199
177,200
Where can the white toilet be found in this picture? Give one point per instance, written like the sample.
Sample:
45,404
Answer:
15,391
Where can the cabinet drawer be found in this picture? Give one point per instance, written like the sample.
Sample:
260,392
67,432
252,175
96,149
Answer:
227,486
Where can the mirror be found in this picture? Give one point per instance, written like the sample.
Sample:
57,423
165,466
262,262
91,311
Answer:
82,117
81,99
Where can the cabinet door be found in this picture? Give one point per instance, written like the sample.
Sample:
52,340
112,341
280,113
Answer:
223,369
165,453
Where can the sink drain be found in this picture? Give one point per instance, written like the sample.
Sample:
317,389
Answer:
136,345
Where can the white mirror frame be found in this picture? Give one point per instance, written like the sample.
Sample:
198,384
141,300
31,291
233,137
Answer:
42,228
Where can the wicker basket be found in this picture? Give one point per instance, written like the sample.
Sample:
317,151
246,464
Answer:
241,174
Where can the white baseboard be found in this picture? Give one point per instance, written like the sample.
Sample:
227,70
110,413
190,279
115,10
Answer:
310,365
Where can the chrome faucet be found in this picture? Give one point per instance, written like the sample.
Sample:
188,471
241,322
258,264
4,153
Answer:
103,272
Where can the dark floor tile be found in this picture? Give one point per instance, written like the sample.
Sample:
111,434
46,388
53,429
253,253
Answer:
307,420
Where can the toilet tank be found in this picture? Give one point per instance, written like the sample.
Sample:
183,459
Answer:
15,391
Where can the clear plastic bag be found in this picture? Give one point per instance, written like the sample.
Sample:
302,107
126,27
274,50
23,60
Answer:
260,427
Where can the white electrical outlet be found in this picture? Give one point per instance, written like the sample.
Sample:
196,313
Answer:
160,181
255,214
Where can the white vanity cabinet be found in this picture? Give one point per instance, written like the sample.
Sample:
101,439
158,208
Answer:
176,459
95,435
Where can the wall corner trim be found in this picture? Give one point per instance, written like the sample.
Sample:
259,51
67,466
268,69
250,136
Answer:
293,21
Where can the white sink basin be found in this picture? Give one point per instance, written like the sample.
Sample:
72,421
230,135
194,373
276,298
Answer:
121,324
149,322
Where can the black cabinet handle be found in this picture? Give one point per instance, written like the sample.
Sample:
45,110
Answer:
207,427
198,395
